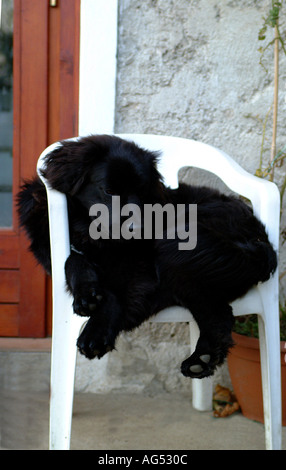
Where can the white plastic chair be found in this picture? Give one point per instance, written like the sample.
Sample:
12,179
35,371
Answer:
263,300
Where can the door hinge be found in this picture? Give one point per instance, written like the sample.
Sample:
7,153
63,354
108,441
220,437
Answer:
53,3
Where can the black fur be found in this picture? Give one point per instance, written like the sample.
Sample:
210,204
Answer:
120,283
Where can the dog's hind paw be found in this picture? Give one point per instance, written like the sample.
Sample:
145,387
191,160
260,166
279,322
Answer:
198,367
210,352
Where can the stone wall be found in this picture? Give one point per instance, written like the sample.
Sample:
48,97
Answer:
187,68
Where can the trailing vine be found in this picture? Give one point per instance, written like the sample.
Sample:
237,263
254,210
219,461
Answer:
245,325
272,20
276,158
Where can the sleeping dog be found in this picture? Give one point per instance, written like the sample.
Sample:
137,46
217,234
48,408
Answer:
120,283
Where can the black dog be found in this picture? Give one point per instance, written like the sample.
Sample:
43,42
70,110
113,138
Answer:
120,283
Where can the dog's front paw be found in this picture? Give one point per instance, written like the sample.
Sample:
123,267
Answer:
94,343
86,300
92,349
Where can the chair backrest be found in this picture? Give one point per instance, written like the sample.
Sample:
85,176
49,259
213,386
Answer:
178,152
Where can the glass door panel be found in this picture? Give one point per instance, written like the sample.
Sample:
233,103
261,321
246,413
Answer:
6,111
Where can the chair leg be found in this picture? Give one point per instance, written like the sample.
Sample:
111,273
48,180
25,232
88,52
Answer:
269,339
62,380
202,389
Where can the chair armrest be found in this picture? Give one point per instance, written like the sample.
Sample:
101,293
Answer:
178,152
58,223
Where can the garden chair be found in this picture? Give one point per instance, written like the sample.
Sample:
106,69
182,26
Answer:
262,300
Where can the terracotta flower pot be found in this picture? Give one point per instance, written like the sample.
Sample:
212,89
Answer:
245,374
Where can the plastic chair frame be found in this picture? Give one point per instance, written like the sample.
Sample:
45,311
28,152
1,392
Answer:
263,300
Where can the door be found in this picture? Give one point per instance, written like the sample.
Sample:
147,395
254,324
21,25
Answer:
39,49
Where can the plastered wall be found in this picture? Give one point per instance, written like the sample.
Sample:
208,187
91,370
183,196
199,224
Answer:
188,68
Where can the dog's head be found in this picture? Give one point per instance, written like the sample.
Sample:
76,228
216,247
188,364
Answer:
96,167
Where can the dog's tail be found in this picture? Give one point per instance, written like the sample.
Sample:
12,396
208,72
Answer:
245,263
262,256
220,265
33,217
241,266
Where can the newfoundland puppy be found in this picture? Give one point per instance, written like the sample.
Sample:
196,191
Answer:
117,282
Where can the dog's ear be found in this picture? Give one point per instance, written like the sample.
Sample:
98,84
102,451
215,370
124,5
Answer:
69,165
64,168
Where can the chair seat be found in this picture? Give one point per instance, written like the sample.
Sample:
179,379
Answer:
249,303
173,314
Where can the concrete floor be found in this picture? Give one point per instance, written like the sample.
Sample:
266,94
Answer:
118,421
110,421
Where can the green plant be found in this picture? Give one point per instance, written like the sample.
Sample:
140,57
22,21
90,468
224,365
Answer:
248,325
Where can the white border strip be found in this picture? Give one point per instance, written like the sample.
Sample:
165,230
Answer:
97,80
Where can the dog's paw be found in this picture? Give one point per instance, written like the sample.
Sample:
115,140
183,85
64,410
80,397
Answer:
86,300
93,344
203,362
208,355
198,367
92,349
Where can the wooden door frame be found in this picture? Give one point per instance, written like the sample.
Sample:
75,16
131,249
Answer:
63,88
